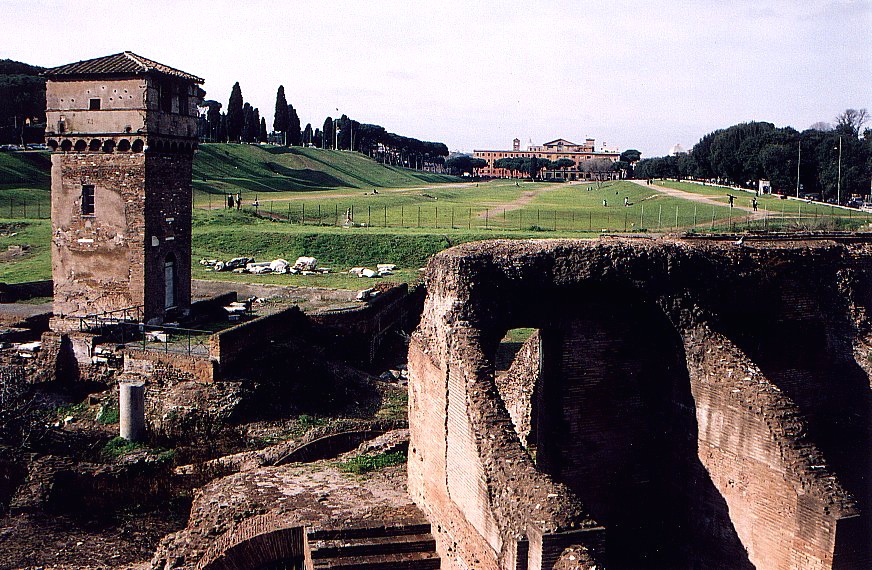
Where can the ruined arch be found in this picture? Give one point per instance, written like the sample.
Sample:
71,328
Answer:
174,147
95,145
138,145
52,144
266,541
634,357
66,145
108,145
80,145
123,145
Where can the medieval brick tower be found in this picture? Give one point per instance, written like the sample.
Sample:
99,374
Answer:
123,130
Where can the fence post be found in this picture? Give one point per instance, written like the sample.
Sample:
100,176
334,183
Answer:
386,216
452,217
419,216
676,218
436,217
369,215
660,217
485,218
694,215
641,215
402,217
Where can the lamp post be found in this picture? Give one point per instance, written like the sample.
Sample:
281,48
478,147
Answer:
798,162
839,181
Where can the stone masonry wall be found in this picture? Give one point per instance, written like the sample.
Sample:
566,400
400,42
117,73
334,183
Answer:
742,466
97,261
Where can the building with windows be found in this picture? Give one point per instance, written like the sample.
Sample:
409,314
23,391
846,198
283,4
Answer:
580,154
123,129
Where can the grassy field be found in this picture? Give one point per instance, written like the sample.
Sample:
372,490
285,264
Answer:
304,195
25,185
782,212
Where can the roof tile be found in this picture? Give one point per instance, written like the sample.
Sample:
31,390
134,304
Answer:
120,63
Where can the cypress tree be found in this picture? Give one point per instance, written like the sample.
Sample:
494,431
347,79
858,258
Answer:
262,135
327,133
317,140
235,118
280,121
293,126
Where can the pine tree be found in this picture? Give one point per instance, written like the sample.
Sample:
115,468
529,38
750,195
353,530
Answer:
293,126
235,118
255,125
317,140
307,134
327,133
280,122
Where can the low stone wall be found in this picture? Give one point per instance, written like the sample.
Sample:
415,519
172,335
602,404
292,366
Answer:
14,292
231,347
357,334
191,366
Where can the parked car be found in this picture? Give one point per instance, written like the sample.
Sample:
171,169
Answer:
9,147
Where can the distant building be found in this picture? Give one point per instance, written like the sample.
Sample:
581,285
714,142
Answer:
676,150
553,151
123,130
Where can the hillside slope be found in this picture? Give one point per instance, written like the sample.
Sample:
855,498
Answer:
223,168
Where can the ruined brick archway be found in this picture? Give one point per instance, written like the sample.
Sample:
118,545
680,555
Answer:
664,421
266,542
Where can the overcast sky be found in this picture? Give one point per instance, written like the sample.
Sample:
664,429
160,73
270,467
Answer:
476,74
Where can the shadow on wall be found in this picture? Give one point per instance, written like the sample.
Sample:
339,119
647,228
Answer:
614,419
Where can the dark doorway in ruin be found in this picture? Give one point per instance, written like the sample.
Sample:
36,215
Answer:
613,418
170,281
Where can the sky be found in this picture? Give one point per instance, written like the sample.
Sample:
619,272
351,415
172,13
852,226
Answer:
474,75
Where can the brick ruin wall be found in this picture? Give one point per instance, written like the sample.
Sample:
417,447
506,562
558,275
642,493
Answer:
684,404
168,227
97,261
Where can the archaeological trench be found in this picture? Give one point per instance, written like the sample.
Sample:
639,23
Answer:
680,403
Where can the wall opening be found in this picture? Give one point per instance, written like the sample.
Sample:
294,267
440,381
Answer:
87,199
613,418
170,280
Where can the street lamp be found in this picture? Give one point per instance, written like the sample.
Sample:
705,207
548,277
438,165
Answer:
839,182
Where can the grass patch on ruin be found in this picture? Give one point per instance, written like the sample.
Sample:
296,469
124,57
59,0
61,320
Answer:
394,404
118,447
108,414
368,463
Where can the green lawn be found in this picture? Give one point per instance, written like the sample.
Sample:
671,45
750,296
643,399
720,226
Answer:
25,185
34,265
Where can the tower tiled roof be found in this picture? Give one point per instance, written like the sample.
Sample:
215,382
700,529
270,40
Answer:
118,64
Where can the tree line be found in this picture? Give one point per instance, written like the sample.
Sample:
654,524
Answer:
832,161
242,123
22,103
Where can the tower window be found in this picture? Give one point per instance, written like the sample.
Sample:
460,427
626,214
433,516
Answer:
88,200
94,105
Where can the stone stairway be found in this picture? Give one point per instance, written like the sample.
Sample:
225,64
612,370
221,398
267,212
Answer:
400,547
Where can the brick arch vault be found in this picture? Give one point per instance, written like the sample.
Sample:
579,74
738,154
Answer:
265,542
685,404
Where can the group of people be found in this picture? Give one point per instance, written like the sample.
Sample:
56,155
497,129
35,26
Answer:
234,201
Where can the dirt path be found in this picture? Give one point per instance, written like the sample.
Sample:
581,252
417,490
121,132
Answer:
690,196
526,197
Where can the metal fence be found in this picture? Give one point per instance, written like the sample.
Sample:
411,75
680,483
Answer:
125,327
640,217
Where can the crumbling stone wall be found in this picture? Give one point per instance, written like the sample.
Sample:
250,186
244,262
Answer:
674,423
